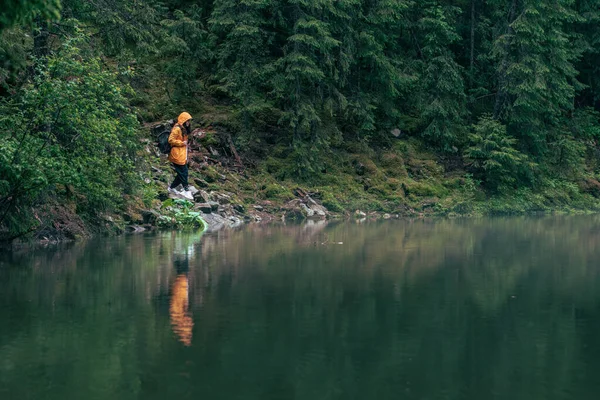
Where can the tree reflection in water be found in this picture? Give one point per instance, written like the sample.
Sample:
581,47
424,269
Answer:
501,308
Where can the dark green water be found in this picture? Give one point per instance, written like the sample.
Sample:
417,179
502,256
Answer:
468,309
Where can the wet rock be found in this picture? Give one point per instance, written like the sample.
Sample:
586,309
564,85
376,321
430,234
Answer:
317,208
239,208
214,205
234,221
204,207
387,216
307,211
360,214
135,228
214,222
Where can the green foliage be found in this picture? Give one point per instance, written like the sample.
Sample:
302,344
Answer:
69,126
26,11
444,99
125,28
538,78
13,55
278,192
307,80
243,68
493,157
179,214
186,48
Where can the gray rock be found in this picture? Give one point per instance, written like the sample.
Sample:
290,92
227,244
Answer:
258,208
135,228
360,214
221,198
234,221
214,222
307,211
204,207
239,208
317,208
201,196
226,210
387,216
214,205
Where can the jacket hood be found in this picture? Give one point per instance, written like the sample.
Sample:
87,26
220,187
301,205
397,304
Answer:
183,118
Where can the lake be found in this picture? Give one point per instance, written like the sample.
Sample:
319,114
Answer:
490,308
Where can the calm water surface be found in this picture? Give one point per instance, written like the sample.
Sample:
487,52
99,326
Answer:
467,309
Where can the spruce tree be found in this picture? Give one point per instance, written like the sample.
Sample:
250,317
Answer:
304,81
537,78
443,97
243,63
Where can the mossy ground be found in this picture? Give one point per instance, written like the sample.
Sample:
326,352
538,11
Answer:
405,180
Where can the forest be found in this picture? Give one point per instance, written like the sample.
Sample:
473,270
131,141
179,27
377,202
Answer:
498,100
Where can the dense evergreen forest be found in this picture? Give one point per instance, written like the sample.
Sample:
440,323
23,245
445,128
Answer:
507,93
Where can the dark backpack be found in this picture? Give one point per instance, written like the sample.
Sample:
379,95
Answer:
162,132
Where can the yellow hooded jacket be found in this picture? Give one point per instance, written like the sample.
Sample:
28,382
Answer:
177,140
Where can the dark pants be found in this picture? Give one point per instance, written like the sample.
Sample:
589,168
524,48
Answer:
181,177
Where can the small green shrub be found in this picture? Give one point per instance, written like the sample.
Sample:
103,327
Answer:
493,157
179,214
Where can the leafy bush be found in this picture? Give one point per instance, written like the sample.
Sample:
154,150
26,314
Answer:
493,157
179,214
70,125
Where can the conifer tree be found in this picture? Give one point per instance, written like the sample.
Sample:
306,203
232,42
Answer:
243,52
304,80
537,79
443,97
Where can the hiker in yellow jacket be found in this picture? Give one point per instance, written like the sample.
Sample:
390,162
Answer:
178,139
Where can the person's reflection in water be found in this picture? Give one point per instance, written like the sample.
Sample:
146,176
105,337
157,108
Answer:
181,317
